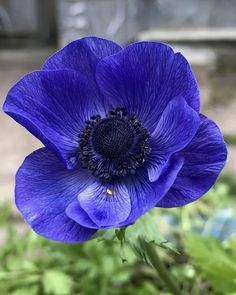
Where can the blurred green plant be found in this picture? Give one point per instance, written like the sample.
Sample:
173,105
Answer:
198,249
31,265
216,261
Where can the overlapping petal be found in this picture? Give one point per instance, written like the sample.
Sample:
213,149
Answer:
175,129
106,205
44,188
144,77
53,105
75,212
204,158
131,198
82,55
144,194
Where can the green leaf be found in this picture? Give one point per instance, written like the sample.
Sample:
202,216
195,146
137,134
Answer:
146,228
105,235
56,282
217,264
120,233
32,290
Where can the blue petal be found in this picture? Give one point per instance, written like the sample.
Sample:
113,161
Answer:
107,206
156,165
175,129
144,77
204,158
53,105
145,195
82,55
75,212
44,189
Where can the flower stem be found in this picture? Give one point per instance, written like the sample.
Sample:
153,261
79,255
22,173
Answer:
161,269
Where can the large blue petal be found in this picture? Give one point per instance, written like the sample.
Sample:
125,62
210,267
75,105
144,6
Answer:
204,158
106,205
82,55
44,189
144,77
98,209
145,195
53,105
175,129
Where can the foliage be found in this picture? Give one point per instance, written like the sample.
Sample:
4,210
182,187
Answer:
217,263
31,265
196,242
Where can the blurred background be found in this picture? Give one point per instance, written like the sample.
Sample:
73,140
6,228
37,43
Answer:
204,232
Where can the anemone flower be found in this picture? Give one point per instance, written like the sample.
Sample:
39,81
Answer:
122,133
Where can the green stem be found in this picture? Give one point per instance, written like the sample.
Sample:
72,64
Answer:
161,269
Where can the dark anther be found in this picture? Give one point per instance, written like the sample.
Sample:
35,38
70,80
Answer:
112,113
113,146
96,118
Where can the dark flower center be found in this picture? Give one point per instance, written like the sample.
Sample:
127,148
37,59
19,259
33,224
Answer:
113,146
112,137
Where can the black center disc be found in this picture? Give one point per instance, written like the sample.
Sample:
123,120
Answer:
112,137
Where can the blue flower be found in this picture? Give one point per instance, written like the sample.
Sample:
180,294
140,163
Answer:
122,134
